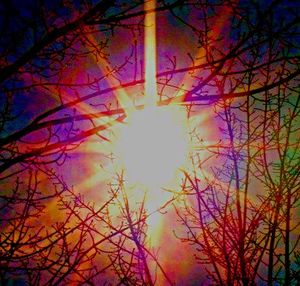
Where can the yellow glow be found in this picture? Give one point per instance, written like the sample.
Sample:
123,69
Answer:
150,53
152,146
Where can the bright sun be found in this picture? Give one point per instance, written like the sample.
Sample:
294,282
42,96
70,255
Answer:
153,145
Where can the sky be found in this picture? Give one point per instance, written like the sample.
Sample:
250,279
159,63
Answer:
106,67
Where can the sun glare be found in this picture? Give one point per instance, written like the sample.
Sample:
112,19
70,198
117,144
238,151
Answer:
153,145
153,142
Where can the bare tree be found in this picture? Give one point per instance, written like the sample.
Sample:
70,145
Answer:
244,207
64,67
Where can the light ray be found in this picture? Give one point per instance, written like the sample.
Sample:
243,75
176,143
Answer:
104,66
150,53
200,57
